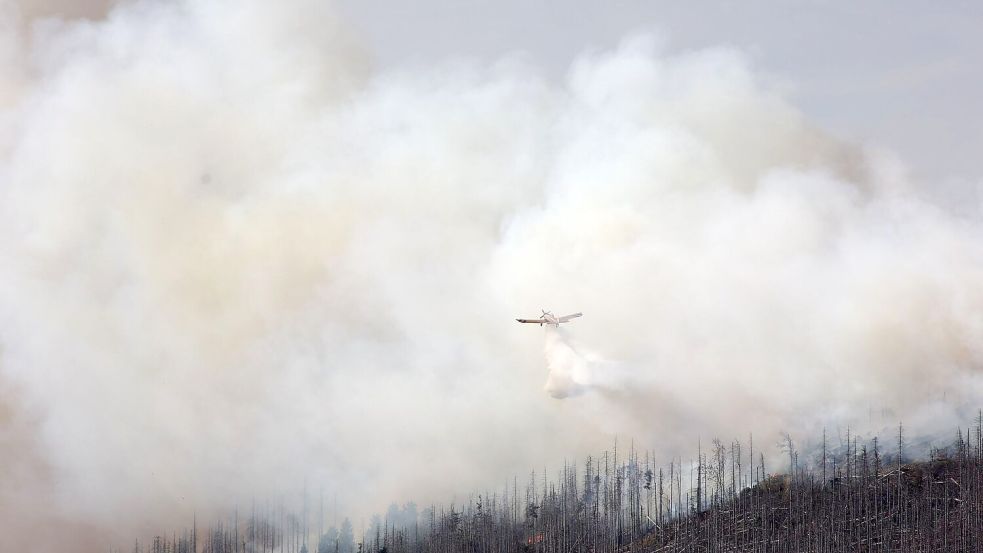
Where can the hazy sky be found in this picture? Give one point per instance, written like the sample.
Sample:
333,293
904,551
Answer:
902,74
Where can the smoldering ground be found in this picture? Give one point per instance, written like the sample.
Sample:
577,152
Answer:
234,258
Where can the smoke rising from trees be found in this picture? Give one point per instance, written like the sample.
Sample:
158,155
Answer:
234,257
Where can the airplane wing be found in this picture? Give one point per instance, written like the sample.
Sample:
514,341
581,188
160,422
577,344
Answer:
566,318
536,321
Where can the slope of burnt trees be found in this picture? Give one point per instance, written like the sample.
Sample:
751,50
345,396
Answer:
865,505
854,497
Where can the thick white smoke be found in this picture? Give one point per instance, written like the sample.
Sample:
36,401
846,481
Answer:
570,373
573,370
233,258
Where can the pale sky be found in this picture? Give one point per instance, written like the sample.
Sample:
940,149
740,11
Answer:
900,74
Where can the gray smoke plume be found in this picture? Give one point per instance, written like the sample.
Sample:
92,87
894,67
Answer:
234,258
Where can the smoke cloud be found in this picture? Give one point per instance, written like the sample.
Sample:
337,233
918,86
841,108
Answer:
570,373
234,259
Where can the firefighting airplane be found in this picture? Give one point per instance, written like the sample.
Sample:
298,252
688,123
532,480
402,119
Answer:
549,318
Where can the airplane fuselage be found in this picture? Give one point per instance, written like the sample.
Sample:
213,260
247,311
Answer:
549,319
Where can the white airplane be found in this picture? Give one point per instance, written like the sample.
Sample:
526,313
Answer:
549,318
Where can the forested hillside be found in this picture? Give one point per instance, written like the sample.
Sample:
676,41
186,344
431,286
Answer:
857,496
